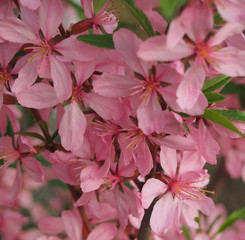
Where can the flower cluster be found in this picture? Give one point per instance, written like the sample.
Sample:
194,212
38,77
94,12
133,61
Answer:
127,124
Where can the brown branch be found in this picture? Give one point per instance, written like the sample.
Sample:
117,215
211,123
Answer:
76,194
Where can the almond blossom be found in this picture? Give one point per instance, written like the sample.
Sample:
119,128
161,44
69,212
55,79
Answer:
180,191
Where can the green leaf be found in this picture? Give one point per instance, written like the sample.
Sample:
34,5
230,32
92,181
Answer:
232,114
215,83
32,134
214,116
186,233
168,7
140,16
231,219
103,41
214,97
232,88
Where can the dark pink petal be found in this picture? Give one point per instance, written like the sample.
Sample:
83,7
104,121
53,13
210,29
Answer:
50,16
150,116
105,231
27,76
33,168
61,78
7,52
155,49
77,50
52,225
107,108
88,8
38,96
33,5
72,123
72,223
190,88
14,30
112,85
151,189
144,159
15,189
127,44
83,71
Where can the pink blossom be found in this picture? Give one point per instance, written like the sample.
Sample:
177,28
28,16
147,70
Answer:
180,192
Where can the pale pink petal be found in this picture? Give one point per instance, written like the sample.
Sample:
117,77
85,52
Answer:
50,16
155,49
190,88
61,78
105,231
77,50
72,123
52,225
112,85
38,96
237,41
229,61
14,30
163,214
168,160
84,199
150,116
189,214
151,189
107,108
33,168
33,5
232,11
127,44
27,76
227,30
72,223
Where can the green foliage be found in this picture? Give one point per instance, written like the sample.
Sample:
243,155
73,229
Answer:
232,114
214,116
230,220
140,16
186,233
214,97
102,41
233,88
169,7
215,83
32,134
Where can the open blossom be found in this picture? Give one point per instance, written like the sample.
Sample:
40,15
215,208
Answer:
180,192
190,36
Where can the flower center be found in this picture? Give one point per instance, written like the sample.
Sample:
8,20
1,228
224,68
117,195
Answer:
109,183
43,50
4,78
5,154
77,94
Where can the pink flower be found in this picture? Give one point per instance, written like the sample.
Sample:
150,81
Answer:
180,192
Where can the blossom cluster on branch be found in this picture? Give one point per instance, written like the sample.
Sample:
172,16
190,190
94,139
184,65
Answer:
126,117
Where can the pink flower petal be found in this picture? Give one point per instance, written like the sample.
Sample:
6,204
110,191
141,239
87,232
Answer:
50,16
14,30
38,96
105,231
61,78
33,168
52,225
151,189
72,123
72,223
168,160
